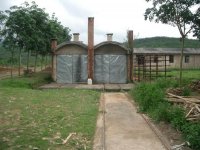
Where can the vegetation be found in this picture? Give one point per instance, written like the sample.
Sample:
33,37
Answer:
35,119
164,42
197,24
29,28
188,74
151,100
176,13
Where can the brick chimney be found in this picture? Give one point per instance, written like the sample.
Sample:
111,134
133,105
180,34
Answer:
76,37
53,48
130,45
53,44
90,49
109,36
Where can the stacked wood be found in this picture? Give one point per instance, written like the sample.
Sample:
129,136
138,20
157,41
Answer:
175,91
190,104
195,85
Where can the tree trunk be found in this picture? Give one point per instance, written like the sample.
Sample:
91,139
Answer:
181,61
27,64
36,56
45,61
42,60
12,59
20,59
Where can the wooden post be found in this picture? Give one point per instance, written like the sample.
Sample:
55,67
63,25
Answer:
53,48
165,67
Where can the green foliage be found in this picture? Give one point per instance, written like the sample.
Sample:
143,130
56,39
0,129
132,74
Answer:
30,81
29,28
161,114
177,117
186,91
197,24
192,134
151,99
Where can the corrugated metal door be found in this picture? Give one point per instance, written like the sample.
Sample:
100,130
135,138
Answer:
72,68
110,69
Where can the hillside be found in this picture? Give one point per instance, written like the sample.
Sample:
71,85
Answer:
165,42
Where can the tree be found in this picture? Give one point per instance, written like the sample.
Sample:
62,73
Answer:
178,13
197,24
31,29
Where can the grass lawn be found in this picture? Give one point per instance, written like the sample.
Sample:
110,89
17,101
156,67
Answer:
35,119
187,74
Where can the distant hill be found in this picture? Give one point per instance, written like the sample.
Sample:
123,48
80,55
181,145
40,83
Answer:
165,42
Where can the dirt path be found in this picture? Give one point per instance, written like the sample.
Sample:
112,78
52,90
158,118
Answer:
120,127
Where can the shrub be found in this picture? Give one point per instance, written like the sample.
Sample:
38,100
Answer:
148,96
186,91
161,113
177,117
191,132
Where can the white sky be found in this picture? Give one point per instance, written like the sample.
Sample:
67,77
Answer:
110,16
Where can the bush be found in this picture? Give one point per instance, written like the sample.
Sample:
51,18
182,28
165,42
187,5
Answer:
148,96
161,113
186,91
191,132
177,117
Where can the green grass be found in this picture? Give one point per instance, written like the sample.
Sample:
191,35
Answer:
188,74
31,118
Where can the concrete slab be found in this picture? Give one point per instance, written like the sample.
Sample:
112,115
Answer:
126,87
101,87
124,128
90,87
112,87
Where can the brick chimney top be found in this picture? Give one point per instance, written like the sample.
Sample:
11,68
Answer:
109,36
53,44
76,37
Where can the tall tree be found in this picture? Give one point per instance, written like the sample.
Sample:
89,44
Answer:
197,24
178,13
31,28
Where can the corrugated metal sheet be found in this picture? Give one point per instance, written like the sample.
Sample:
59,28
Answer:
166,51
110,69
71,68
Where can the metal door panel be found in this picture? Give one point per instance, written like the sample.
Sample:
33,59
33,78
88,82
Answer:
118,69
64,68
101,68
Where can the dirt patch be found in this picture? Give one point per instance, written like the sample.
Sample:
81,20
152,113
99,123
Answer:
173,136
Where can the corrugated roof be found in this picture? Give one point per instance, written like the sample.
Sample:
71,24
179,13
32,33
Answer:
71,43
166,51
110,42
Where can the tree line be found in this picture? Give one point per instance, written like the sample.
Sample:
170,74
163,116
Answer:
28,28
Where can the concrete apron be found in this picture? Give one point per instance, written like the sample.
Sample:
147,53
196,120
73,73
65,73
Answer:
120,127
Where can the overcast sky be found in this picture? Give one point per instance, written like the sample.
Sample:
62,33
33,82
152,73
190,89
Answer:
110,16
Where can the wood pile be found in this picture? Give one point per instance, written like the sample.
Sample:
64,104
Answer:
195,85
175,91
190,104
